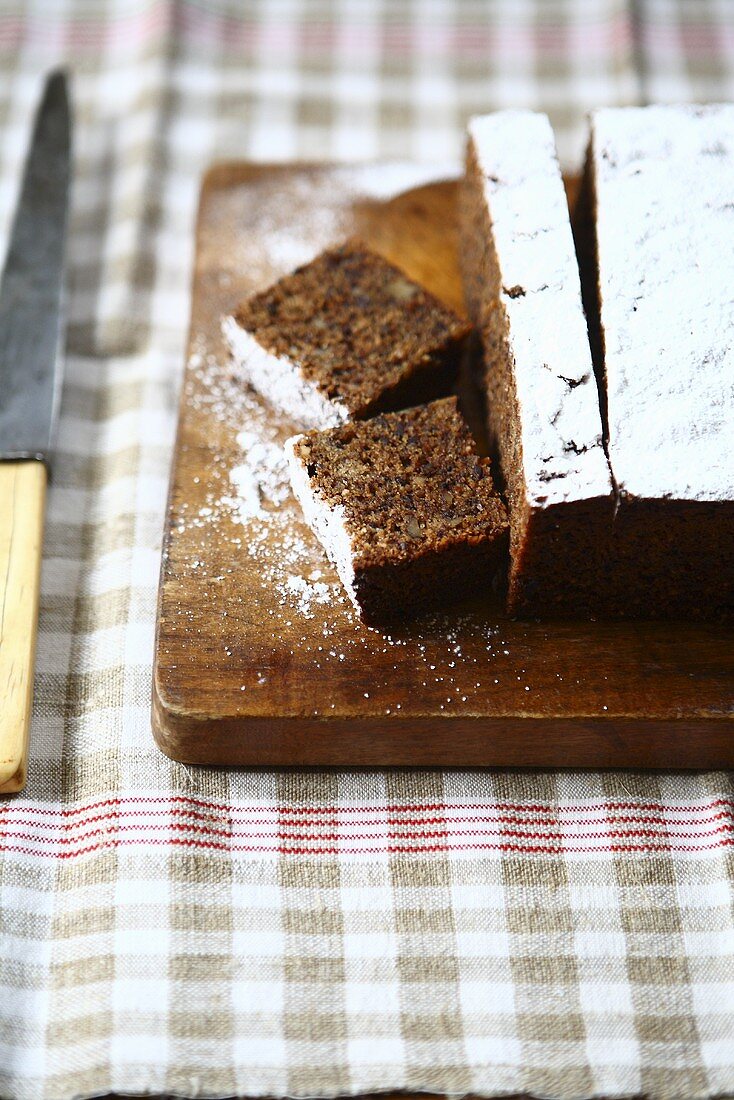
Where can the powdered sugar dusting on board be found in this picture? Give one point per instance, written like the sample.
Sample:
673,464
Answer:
258,568
253,492
320,223
261,481
249,500
308,592
249,504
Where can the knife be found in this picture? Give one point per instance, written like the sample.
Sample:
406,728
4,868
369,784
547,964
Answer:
30,381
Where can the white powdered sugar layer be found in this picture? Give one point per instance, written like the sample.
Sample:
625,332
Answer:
328,523
258,482
247,504
664,179
280,381
541,294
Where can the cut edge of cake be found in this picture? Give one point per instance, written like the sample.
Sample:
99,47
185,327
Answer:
327,521
427,371
392,586
280,381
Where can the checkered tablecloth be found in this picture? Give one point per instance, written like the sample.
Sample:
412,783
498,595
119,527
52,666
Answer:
209,933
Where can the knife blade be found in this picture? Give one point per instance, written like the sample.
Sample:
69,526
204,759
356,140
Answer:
31,294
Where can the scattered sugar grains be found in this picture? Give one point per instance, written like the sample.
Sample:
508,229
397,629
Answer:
247,501
307,594
250,494
262,479
270,221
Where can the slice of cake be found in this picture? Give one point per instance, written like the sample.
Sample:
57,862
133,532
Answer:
523,291
404,506
344,337
661,183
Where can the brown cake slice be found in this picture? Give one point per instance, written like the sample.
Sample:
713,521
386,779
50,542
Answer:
659,187
404,507
523,290
344,337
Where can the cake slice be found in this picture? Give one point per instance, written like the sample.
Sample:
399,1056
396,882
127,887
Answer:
404,507
660,181
344,337
523,292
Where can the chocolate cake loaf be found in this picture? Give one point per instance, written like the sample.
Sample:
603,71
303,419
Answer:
344,337
660,181
404,506
523,291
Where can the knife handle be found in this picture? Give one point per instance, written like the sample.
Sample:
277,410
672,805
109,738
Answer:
22,500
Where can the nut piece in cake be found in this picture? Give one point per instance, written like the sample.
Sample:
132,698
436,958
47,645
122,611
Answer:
404,507
344,337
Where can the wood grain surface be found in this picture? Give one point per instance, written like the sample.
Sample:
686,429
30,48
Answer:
259,659
22,498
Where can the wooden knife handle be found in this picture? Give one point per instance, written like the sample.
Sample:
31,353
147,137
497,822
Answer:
22,499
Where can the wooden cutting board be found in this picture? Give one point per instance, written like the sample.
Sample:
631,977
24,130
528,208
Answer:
259,657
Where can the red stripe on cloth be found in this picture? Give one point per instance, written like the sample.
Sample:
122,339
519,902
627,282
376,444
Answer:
204,27
532,807
703,37
381,850
47,831
662,820
415,822
83,832
86,34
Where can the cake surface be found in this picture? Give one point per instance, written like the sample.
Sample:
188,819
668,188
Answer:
664,185
404,507
344,337
660,181
523,291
